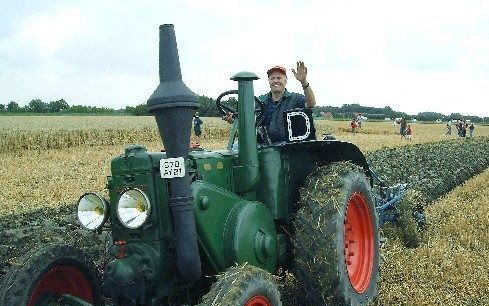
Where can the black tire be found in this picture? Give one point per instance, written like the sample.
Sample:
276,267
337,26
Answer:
411,229
332,264
243,285
58,269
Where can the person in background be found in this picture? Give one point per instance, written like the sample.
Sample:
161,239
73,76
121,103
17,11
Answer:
409,132
359,120
402,130
463,127
353,125
471,130
449,128
279,100
197,128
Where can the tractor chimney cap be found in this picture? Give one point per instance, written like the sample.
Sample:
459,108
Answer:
171,92
244,76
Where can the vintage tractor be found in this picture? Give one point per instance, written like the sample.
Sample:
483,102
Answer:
182,219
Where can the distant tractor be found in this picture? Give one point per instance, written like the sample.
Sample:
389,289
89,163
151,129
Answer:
180,217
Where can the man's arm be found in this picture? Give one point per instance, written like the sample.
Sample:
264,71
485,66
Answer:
301,76
309,94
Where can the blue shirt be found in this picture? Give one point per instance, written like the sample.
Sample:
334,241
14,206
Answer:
273,116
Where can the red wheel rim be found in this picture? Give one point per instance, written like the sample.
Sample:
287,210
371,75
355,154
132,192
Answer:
258,300
359,243
62,280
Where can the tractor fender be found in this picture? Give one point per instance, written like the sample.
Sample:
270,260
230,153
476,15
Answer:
328,151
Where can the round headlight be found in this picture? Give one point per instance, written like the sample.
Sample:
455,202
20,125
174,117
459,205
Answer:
133,208
92,211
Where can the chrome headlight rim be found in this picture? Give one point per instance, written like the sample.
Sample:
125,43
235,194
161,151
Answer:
148,208
104,204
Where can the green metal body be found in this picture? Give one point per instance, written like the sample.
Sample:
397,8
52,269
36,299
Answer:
243,200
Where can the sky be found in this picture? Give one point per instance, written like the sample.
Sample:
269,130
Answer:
413,56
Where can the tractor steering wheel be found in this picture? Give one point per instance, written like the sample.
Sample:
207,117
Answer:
225,110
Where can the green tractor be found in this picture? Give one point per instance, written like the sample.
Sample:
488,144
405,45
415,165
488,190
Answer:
190,226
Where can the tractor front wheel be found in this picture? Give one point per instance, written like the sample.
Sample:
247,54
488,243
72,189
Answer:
50,273
336,239
243,286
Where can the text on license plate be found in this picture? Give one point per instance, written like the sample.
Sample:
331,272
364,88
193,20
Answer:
172,167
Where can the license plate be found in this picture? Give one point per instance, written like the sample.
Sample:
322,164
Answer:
172,167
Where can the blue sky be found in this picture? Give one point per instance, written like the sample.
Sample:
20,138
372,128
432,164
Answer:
411,55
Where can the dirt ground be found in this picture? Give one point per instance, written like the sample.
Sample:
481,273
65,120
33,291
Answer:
20,233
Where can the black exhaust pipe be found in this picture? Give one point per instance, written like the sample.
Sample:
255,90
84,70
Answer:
173,104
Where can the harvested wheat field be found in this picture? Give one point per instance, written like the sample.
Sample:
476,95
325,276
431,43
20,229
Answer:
30,133
451,266
48,162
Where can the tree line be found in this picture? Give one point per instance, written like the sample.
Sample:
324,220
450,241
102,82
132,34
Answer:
373,113
37,106
208,109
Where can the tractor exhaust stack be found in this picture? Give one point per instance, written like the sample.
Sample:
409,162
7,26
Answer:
173,104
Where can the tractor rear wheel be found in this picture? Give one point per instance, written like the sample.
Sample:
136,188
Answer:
45,275
336,242
243,286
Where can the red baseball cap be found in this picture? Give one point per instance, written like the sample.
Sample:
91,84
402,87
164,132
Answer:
277,68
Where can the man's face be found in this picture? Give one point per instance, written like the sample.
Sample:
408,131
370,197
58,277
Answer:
277,81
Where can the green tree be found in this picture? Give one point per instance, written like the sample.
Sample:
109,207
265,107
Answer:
429,116
13,107
57,106
455,116
474,119
37,106
139,110
2,108
207,107
81,109
78,109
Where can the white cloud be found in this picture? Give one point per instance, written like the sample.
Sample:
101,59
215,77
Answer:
413,56
48,32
